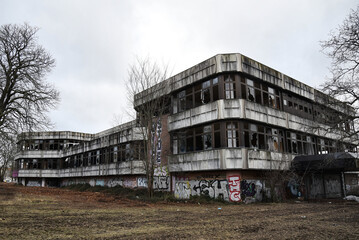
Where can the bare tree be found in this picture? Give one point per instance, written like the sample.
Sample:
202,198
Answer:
146,87
25,96
7,153
343,48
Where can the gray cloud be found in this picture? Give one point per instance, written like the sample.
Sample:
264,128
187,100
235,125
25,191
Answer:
94,42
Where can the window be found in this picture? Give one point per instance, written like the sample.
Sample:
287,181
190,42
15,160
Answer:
326,146
206,92
207,137
260,93
199,138
250,90
97,157
189,140
232,134
182,142
129,152
229,87
197,95
115,155
309,146
174,144
181,101
250,135
217,135
275,140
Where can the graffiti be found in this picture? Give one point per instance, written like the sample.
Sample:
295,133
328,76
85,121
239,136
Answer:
92,182
231,189
293,187
248,189
210,188
15,173
68,182
182,190
100,183
235,187
114,182
130,183
160,171
161,183
156,139
142,182
33,184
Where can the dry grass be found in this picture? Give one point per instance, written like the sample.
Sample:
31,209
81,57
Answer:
47,213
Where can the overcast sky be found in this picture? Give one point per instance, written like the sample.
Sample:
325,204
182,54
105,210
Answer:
94,42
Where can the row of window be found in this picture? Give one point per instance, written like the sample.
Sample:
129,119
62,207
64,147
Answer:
234,86
46,144
113,154
243,134
38,164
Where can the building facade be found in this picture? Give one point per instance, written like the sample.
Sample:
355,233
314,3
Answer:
231,120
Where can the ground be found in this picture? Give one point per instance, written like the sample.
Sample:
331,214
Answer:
53,213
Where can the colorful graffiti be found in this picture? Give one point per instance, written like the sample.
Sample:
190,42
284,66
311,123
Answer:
234,188
100,182
15,173
182,190
248,189
231,189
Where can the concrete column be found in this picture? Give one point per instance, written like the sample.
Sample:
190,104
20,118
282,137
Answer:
23,182
43,182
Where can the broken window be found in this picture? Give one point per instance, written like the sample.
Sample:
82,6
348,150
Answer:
197,95
250,89
35,163
250,135
36,145
206,93
271,97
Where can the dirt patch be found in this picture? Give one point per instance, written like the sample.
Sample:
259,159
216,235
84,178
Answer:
53,213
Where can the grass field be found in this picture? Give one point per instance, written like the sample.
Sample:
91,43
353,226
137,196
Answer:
53,213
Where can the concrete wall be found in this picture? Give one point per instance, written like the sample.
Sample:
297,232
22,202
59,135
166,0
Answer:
227,159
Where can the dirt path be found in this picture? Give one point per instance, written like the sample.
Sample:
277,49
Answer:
52,213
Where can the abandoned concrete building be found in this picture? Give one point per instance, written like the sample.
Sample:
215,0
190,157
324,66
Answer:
230,121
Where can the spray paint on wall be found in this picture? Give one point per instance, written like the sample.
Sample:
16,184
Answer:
234,188
231,189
